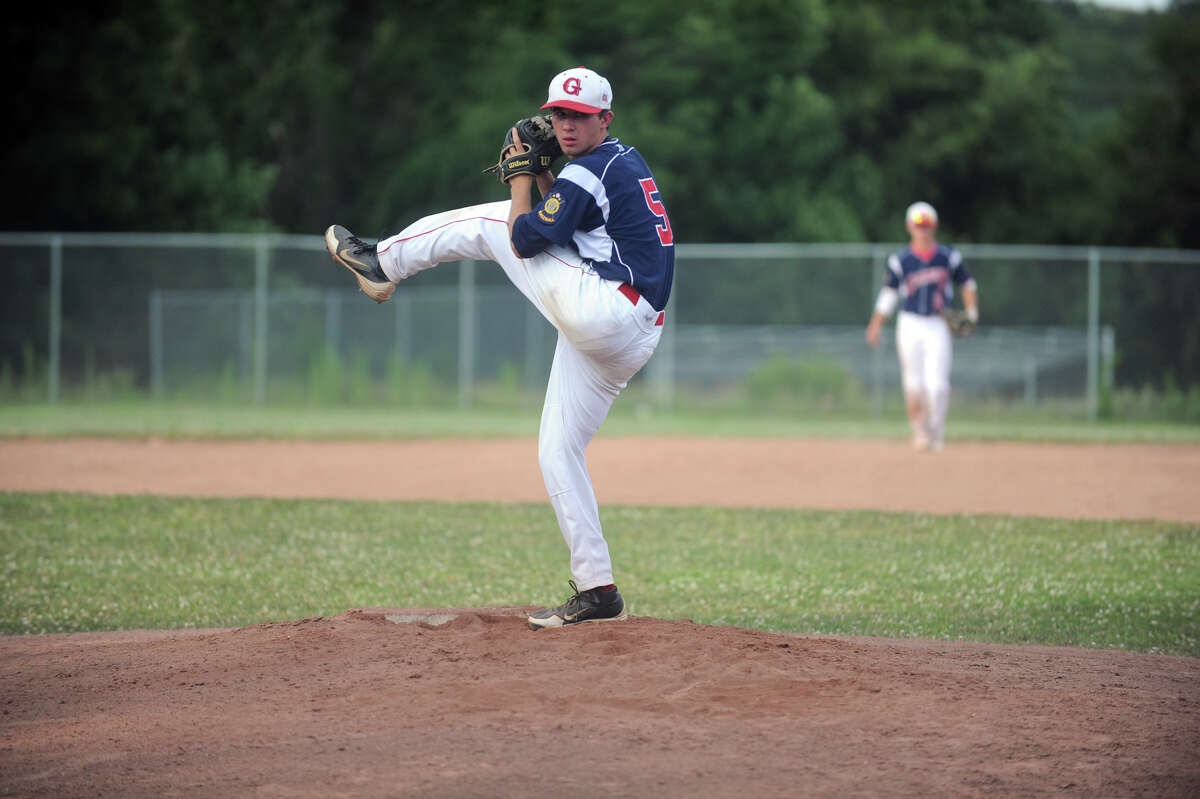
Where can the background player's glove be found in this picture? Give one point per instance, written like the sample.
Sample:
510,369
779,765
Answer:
540,149
961,323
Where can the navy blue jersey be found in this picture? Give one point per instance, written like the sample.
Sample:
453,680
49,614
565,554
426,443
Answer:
607,207
926,286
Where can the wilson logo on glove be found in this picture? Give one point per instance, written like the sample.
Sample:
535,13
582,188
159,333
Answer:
536,148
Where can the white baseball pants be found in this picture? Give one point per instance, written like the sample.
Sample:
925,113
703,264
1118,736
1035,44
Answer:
925,350
604,338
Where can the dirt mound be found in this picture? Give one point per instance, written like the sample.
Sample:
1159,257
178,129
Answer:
468,702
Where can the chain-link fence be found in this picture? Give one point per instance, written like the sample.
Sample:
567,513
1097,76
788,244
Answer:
270,318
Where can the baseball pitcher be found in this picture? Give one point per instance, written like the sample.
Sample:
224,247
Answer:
595,255
922,277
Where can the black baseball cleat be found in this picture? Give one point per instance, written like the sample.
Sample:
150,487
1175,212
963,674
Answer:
359,257
595,604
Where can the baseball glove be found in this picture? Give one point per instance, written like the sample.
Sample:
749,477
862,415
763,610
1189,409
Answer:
540,149
960,323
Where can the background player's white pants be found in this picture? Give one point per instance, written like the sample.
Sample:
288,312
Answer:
926,352
603,340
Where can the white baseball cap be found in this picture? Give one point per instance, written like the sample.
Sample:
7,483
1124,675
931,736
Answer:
921,215
579,89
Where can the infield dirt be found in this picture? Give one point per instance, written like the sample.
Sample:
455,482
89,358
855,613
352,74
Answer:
467,702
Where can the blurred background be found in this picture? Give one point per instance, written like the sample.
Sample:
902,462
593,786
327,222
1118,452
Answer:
177,162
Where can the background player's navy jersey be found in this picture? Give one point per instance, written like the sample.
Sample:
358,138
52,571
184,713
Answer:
607,207
925,286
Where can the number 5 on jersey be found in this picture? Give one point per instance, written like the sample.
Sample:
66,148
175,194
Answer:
649,189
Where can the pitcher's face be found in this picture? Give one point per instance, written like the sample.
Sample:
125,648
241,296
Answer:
579,133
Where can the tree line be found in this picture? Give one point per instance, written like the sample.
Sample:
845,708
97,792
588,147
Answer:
1028,121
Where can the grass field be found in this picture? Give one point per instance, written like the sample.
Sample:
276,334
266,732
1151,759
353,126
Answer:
632,418
77,562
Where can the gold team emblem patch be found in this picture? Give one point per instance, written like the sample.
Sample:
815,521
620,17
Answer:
551,207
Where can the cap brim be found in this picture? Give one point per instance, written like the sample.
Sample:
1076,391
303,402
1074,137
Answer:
574,106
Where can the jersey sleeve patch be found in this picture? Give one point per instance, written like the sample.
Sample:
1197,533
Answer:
551,207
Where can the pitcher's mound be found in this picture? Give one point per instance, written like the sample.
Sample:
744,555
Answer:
468,702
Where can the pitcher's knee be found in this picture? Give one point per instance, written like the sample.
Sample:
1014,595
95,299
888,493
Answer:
559,465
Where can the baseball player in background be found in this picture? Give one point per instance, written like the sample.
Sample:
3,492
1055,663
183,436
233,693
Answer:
595,255
920,279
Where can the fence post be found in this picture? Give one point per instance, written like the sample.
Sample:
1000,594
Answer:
56,268
156,344
261,265
466,332
1093,332
1108,363
878,258
1030,381
245,336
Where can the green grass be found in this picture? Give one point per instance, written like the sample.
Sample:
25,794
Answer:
80,563
632,416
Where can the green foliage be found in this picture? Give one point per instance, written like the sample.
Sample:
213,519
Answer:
326,378
784,384
360,388
1174,404
109,385
411,384
225,388
1151,190
26,385
82,563
780,120
149,123
507,391
333,382
1153,309
1182,405
813,120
